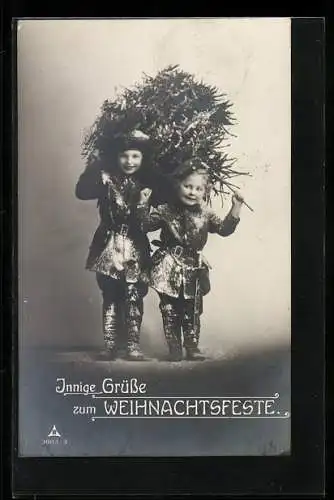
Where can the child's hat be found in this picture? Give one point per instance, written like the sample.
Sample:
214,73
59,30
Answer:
189,167
135,139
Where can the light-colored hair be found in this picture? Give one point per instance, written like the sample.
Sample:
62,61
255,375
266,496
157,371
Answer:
191,168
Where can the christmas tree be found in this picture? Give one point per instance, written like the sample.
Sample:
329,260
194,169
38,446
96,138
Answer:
184,117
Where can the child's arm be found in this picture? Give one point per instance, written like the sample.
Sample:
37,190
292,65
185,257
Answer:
149,221
227,226
90,183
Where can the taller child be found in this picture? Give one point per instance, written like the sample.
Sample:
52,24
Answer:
119,253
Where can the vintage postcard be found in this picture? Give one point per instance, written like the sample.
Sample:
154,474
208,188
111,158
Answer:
154,237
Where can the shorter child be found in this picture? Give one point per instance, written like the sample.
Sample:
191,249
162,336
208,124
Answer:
179,273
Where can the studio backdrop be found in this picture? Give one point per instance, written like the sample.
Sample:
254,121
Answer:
66,69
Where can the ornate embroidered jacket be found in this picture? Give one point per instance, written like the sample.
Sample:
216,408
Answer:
178,263
119,248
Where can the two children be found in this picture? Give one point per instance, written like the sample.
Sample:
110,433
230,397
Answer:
120,252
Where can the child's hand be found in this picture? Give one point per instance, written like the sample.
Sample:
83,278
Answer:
145,195
237,199
105,177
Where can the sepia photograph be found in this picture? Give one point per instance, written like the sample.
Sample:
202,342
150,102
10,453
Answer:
154,237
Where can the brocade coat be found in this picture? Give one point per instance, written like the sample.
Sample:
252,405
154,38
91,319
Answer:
119,248
178,263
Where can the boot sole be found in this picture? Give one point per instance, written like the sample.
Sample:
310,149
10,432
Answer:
129,357
189,358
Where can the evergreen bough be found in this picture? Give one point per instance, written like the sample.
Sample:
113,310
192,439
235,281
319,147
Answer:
184,117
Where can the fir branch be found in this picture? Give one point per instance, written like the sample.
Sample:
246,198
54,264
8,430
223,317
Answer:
183,116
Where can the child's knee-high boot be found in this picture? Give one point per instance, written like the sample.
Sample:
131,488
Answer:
172,330
133,319
110,318
191,330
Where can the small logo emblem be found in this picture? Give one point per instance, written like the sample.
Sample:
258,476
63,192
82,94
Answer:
54,432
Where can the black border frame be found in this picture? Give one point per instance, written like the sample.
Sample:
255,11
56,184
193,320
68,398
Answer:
302,473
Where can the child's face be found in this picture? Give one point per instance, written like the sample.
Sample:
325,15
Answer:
130,161
192,189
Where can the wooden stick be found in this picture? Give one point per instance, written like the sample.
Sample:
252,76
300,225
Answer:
235,192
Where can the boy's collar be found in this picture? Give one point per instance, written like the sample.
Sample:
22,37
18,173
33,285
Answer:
121,177
193,208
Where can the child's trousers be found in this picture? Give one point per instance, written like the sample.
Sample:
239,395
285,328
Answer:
122,305
178,315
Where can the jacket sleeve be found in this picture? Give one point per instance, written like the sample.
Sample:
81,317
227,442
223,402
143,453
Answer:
223,227
149,219
90,185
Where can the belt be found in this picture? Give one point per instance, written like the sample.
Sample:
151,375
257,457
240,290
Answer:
179,251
